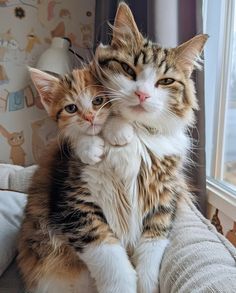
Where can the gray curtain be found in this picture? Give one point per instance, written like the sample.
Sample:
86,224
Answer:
169,23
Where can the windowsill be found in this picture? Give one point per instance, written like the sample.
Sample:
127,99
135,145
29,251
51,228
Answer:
221,198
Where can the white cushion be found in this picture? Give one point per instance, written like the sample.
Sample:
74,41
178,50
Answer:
11,213
17,178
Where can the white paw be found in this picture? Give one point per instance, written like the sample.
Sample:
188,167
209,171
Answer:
90,149
145,284
148,257
121,134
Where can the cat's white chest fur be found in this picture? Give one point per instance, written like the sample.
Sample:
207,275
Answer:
113,181
113,185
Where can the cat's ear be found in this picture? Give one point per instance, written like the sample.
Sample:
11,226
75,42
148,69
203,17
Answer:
188,54
124,26
45,84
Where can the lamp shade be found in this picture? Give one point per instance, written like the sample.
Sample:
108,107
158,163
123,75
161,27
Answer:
56,59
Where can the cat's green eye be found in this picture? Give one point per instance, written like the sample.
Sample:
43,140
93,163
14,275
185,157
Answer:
165,81
128,69
72,108
98,101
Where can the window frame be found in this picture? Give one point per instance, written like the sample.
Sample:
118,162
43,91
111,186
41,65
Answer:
219,193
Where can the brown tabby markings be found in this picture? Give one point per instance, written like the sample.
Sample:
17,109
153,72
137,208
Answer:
75,219
168,63
61,217
159,190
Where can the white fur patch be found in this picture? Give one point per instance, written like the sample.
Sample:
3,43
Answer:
165,145
111,268
148,257
118,132
118,171
90,149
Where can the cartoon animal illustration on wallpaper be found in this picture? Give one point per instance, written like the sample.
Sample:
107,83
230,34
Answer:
15,141
87,33
46,12
32,40
19,12
7,42
58,31
3,101
51,7
43,131
65,13
3,75
17,99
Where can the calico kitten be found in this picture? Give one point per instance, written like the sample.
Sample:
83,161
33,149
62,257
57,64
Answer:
79,106
59,203
154,93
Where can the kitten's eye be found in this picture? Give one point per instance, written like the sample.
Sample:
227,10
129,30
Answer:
128,69
165,81
97,101
72,108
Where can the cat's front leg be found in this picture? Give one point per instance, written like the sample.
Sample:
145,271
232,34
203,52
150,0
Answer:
110,267
148,257
89,149
93,240
118,132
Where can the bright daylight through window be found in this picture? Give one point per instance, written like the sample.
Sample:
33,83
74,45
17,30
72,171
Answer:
229,172
220,94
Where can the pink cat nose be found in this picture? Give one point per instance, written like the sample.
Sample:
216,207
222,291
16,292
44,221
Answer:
88,117
142,96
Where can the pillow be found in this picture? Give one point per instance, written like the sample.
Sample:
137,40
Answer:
16,178
11,214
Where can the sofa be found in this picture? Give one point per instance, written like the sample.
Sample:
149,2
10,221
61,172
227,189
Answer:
197,260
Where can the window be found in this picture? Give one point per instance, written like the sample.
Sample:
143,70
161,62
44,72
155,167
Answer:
220,101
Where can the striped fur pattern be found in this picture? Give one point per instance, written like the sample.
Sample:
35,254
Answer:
101,224
155,93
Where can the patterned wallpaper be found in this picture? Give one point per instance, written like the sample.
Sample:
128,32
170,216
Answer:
26,30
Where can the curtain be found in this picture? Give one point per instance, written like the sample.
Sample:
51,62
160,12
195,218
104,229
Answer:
169,23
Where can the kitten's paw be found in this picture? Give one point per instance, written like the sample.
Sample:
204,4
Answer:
91,150
120,135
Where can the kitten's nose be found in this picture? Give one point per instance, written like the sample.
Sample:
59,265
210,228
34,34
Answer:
142,96
88,117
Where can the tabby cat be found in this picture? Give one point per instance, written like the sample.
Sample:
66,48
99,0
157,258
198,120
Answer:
153,91
103,227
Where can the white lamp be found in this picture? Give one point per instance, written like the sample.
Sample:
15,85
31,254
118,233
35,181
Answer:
57,58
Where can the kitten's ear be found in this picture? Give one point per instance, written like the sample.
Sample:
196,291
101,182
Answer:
124,25
188,54
44,83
